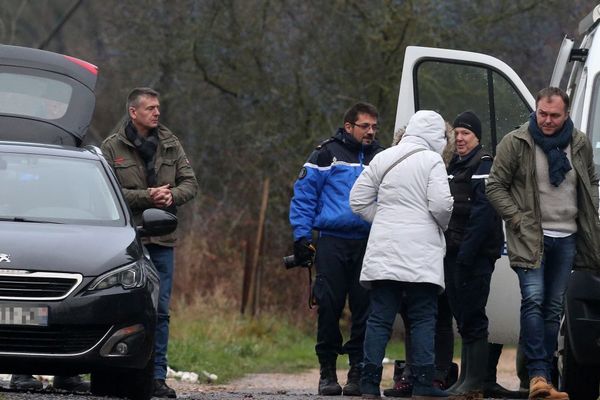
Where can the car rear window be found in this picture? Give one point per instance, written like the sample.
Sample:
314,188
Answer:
45,188
34,96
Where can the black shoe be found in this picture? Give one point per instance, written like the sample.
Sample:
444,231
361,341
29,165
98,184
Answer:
328,383
71,383
25,382
370,380
162,390
352,386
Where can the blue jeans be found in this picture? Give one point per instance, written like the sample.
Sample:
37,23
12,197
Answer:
162,257
542,296
420,302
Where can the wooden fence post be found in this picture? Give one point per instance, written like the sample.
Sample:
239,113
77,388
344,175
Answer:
254,284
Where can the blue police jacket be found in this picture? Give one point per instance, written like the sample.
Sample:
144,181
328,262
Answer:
322,190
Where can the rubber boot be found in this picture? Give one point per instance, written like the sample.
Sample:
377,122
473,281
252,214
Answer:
455,389
477,358
402,381
328,383
491,388
352,386
370,380
423,388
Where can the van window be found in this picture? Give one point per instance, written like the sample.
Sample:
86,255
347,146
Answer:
453,87
33,96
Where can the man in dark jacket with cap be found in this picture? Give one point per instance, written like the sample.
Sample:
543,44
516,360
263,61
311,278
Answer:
474,242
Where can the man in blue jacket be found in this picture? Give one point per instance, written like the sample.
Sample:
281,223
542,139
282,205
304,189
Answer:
321,203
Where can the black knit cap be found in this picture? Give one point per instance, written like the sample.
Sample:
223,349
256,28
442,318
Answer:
468,120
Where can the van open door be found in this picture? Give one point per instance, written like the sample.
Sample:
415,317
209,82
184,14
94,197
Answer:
450,82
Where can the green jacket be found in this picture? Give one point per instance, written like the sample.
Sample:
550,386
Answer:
512,190
172,167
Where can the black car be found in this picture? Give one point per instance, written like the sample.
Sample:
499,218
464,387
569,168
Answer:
78,292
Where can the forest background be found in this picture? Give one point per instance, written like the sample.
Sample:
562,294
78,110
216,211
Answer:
251,86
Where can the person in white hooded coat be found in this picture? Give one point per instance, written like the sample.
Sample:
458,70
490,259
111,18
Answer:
405,194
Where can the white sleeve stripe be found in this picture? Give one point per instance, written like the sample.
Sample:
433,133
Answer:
315,166
480,176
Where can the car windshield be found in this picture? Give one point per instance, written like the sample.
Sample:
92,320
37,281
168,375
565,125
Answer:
42,188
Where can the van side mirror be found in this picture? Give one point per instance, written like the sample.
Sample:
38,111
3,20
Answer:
157,222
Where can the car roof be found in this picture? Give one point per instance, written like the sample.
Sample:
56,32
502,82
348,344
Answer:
88,152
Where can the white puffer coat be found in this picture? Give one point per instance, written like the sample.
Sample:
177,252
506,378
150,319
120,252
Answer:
410,209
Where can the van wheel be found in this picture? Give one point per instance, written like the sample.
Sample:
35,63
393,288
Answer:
134,384
581,382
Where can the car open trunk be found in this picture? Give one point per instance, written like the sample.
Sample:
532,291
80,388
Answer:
45,97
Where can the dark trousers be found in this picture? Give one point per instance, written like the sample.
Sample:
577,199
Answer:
468,288
338,263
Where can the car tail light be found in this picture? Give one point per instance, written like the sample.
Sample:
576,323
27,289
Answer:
89,66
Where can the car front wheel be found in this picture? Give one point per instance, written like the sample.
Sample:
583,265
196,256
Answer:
135,384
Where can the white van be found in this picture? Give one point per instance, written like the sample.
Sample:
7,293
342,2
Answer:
451,81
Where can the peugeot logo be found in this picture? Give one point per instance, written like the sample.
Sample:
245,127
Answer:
4,257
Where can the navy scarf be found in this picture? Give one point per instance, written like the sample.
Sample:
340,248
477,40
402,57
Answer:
146,147
554,146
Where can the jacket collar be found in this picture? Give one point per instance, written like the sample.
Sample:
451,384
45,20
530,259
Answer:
165,135
348,140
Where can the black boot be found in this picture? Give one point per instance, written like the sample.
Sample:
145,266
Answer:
71,383
477,360
491,387
445,377
452,376
162,390
423,383
328,383
352,386
402,381
25,382
370,380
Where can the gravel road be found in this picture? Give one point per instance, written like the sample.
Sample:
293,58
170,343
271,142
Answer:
256,386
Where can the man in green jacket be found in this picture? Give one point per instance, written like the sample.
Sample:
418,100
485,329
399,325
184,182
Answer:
154,172
544,186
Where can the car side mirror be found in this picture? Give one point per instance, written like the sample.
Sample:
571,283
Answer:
157,222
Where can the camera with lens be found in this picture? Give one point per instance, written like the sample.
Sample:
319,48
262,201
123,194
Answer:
304,255
291,262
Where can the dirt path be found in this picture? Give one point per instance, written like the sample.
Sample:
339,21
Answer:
267,386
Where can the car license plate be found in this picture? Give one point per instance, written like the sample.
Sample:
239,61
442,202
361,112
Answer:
23,315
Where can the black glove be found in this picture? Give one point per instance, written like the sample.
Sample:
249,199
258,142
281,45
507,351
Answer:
303,251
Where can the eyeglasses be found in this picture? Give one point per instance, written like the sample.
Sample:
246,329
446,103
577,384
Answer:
366,126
